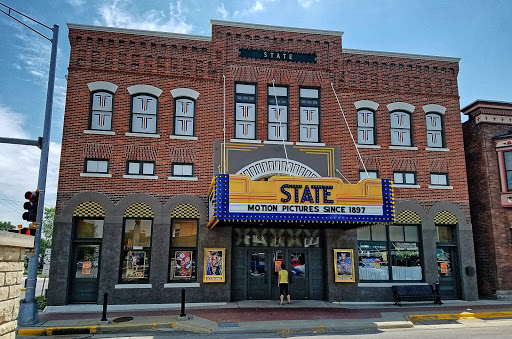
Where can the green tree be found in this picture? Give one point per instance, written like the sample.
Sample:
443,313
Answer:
47,230
6,225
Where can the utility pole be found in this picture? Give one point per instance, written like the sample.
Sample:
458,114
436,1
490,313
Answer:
28,309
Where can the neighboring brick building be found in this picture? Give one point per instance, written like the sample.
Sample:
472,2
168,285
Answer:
488,146
143,139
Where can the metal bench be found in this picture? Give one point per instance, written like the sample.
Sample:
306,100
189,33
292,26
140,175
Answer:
417,293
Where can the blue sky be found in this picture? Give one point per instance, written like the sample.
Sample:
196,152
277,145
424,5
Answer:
479,32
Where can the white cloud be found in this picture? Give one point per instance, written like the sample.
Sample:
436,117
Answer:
257,7
307,3
124,14
222,10
19,168
76,3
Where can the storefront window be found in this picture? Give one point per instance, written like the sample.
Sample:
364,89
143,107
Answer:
385,247
89,229
183,261
136,250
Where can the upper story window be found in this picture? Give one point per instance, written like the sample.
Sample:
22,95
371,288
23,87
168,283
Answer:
507,162
435,130
101,105
401,123
144,114
185,100
183,170
140,168
368,174
439,179
404,178
277,113
435,125
96,166
184,116
365,127
144,108
309,114
101,111
245,111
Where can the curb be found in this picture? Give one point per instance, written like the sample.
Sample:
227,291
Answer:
415,318
57,330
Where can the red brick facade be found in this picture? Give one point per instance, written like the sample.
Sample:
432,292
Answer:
169,63
487,134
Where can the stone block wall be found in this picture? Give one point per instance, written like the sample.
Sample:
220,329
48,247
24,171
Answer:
12,251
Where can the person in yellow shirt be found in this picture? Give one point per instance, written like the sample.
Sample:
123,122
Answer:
282,282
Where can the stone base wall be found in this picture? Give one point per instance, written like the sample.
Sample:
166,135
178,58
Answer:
12,252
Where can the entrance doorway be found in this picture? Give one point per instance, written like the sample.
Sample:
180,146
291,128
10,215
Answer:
447,262
85,261
255,271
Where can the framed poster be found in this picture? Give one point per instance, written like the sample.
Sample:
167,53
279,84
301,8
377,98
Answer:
183,264
136,265
344,266
214,265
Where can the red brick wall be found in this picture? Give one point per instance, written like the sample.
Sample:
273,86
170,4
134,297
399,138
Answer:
169,63
491,222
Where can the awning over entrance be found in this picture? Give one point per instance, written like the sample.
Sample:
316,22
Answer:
235,197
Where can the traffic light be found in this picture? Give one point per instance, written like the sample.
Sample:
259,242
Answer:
31,206
24,230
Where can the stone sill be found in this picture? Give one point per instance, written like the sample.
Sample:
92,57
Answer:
93,131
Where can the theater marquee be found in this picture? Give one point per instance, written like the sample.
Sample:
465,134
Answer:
324,199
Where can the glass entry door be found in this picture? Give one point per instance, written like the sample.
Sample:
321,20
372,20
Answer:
258,287
298,272
447,271
84,274
85,261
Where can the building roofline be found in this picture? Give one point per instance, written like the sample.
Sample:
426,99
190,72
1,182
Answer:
475,103
275,28
401,55
139,32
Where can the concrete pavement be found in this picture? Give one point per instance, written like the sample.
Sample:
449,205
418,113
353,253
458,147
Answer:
258,317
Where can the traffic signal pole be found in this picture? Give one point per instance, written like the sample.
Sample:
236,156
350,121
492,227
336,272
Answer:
28,308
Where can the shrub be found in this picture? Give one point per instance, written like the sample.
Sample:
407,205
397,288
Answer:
41,302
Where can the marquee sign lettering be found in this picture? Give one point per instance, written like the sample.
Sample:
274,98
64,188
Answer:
236,197
277,55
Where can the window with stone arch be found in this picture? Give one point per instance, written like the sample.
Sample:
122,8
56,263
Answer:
183,251
184,112
144,109
366,123
401,124
101,108
136,243
435,125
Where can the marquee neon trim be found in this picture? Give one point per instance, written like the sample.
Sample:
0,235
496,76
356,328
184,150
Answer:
235,197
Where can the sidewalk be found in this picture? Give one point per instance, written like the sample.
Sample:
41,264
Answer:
258,317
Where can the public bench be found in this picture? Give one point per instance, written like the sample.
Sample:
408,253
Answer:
416,293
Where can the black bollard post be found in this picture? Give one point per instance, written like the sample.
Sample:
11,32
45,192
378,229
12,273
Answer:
105,301
183,303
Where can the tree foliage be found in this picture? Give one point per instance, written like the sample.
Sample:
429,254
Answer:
6,225
47,230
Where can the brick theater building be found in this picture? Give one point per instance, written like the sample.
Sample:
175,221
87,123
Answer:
488,146
206,163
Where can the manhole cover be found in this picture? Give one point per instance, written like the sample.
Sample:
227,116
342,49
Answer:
122,319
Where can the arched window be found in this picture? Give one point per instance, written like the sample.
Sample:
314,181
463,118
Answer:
401,124
101,105
435,125
366,134
184,116
137,230
144,109
184,112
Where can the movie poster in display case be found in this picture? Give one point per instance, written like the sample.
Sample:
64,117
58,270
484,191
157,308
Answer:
214,265
344,266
